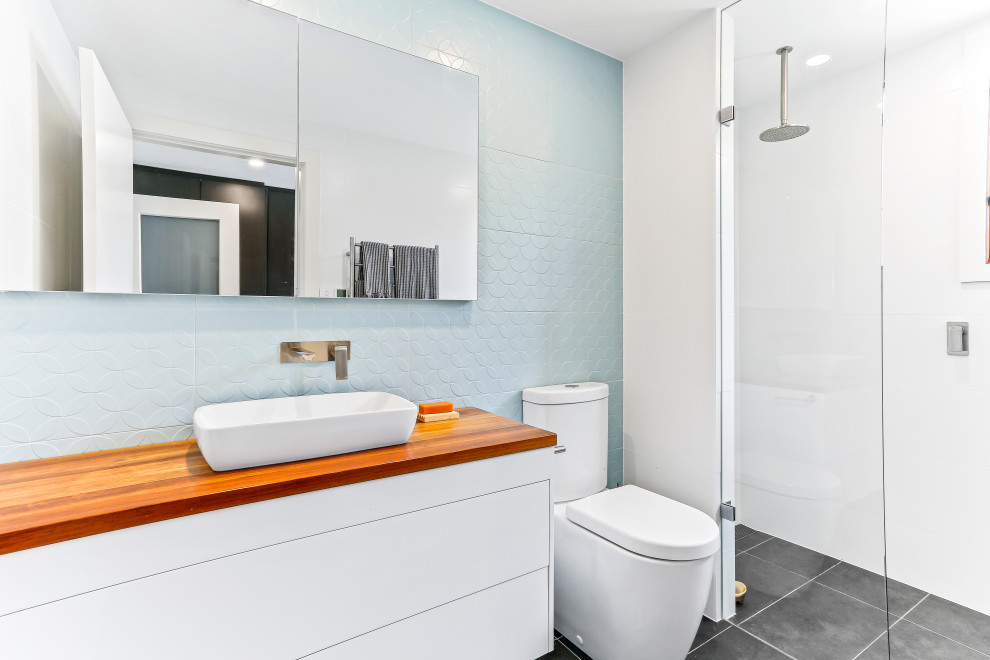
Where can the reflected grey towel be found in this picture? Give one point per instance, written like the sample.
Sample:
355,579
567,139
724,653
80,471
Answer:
416,272
377,283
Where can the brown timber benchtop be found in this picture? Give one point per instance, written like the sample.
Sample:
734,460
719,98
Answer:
57,499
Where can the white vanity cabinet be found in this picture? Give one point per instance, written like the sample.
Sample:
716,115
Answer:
451,562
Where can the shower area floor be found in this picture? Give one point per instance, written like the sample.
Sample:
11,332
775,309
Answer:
804,605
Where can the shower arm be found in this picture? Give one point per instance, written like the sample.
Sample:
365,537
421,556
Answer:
783,82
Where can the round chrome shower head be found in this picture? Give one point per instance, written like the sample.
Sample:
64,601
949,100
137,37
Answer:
784,132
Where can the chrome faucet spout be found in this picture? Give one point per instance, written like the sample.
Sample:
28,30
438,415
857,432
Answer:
302,354
340,355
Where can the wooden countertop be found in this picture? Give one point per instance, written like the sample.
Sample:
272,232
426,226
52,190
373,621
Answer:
57,499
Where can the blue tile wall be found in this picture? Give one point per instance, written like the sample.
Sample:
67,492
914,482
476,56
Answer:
84,373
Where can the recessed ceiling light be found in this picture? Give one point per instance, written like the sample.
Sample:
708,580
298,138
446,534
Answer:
818,60
256,162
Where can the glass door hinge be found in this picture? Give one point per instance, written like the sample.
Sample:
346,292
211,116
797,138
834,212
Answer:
727,511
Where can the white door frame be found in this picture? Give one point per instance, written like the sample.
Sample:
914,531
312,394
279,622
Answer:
228,215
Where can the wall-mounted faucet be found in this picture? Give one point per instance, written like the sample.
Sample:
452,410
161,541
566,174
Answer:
338,352
339,356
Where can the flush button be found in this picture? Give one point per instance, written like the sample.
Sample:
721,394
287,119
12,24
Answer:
572,386
957,338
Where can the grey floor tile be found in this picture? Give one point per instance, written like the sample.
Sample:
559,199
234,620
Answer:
793,557
742,531
707,630
871,588
560,652
575,651
954,621
817,623
734,644
910,642
751,541
765,583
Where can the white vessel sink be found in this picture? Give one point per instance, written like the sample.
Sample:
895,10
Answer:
250,433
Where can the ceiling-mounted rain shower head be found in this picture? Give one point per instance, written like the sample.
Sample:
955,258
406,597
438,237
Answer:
785,131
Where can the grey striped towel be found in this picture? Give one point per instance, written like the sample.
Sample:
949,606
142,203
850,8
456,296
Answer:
416,272
377,283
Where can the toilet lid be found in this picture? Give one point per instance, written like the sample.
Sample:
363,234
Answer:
646,523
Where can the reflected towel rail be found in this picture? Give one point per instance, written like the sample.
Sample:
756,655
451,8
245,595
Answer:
354,263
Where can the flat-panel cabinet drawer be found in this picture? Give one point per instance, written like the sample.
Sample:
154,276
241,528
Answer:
506,622
299,597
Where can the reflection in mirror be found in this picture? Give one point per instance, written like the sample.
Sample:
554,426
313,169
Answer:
156,150
393,169
183,100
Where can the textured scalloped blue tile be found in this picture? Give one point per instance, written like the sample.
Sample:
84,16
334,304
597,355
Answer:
379,336
85,444
513,272
477,32
586,347
384,21
514,193
587,277
459,354
615,414
614,467
586,135
514,114
586,206
586,73
506,404
237,343
84,364
447,59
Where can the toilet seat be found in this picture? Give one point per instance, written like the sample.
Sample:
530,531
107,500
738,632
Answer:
646,523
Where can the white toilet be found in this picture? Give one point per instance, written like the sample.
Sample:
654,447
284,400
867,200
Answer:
632,569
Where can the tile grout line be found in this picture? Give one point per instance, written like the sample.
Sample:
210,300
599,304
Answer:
552,162
551,239
923,599
766,561
767,643
935,632
746,551
870,645
713,636
809,581
843,593
890,626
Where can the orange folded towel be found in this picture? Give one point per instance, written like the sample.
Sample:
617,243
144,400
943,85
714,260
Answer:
433,408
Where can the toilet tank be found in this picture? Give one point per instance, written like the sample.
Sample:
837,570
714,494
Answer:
578,414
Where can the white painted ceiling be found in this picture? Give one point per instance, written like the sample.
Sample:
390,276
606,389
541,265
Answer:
622,27
615,27
856,33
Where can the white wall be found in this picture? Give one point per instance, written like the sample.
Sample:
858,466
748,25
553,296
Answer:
40,180
670,299
935,406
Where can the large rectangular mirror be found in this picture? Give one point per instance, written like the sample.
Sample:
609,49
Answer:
157,153
388,150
